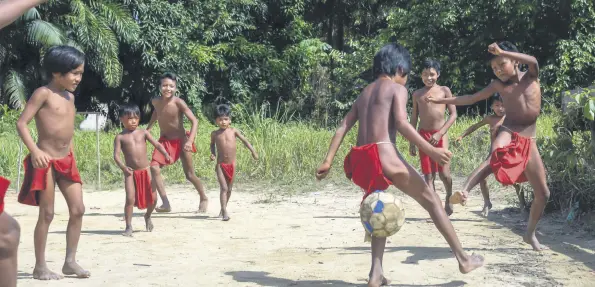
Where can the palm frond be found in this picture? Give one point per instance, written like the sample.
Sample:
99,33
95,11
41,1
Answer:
118,18
14,89
45,34
30,15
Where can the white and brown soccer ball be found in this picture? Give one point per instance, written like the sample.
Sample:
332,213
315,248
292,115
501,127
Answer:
382,214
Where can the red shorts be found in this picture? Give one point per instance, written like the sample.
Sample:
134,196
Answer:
429,166
143,192
508,163
35,179
174,148
362,166
4,183
228,170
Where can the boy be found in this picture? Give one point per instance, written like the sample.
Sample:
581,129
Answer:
514,155
51,159
375,163
179,144
223,144
494,122
10,231
433,127
137,178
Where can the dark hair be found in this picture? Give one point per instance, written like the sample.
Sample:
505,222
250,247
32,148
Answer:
497,98
129,110
170,76
432,64
223,110
62,59
506,46
390,59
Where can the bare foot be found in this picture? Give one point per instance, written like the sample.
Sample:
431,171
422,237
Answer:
473,262
448,208
532,240
72,268
44,273
163,209
486,209
225,216
458,197
220,213
128,231
202,207
148,224
381,281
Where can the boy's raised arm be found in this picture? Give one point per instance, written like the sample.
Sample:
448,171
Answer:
344,127
467,99
474,127
12,9
246,143
520,57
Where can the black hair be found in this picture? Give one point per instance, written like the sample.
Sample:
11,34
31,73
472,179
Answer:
129,110
62,59
506,46
432,64
392,58
170,76
223,110
497,98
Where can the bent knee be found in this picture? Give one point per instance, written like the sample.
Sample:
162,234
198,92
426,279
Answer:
190,175
10,235
47,215
542,193
445,176
155,170
77,211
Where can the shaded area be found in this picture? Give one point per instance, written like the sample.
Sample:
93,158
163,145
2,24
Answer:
263,279
420,253
550,233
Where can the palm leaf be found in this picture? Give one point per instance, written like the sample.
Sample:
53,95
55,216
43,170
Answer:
30,15
45,34
14,88
118,18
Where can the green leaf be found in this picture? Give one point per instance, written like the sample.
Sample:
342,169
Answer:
589,110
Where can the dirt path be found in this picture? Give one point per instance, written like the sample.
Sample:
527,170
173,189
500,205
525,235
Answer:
314,239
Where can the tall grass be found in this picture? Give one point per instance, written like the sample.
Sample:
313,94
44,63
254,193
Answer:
289,152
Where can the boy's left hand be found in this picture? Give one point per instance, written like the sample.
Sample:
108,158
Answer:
323,171
435,138
255,156
494,49
188,146
168,159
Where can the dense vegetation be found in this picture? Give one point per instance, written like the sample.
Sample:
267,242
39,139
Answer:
309,59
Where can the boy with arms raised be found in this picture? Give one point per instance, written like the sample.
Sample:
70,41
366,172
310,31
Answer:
137,178
223,147
433,127
375,163
514,155
51,160
494,122
10,231
169,112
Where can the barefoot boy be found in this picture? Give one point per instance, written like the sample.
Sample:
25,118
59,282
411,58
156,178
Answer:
223,146
494,122
433,127
10,231
375,163
169,112
51,159
514,155
137,178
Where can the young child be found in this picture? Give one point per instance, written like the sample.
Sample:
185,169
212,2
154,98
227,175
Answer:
10,231
375,163
223,146
179,144
494,122
433,127
137,178
51,159
514,156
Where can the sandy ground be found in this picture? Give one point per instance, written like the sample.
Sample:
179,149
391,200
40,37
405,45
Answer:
313,239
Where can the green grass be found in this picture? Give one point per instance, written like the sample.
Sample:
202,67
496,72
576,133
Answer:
289,152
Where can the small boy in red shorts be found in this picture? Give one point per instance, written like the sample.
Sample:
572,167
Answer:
433,127
51,160
375,163
137,176
223,147
169,112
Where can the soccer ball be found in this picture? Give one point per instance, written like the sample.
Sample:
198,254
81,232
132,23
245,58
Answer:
382,214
